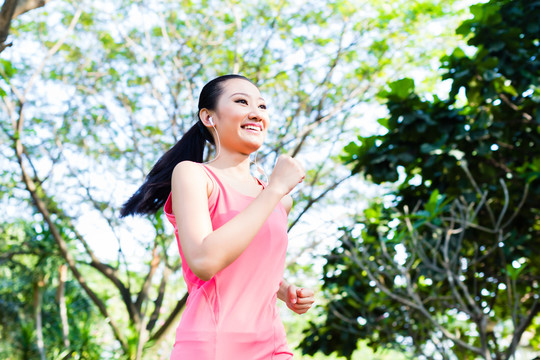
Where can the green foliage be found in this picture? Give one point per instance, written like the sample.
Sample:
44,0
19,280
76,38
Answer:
29,261
465,167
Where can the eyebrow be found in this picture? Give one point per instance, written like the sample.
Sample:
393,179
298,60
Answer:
240,93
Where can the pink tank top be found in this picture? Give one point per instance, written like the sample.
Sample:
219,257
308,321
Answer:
234,314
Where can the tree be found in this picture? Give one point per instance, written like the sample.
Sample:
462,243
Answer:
35,296
9,11
446,269
107,87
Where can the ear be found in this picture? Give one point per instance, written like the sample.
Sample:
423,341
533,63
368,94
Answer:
205,115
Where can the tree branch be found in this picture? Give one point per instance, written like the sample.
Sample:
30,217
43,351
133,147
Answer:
520,329
174,313
10,10
6,15
154,263
159,300
27,5
314,200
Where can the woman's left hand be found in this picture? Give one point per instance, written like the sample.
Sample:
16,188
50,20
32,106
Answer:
298,299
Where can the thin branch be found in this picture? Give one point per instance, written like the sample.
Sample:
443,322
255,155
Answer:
51,52
320,119
159,299
519,207
505,205
238,26
260,62
134,129
343,318
170,319
154,263
514,107
475,185
312,201
520,329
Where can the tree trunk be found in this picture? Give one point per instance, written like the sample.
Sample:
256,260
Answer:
61,296
37,315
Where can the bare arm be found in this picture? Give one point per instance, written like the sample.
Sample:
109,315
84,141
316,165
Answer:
207,251
287,202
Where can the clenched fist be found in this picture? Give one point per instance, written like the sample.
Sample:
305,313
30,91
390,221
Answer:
287,173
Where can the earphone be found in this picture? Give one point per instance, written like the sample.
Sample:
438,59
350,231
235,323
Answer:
218,145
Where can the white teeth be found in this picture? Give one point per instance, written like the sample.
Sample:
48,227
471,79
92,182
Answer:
249,127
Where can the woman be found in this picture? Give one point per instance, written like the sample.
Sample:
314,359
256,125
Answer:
230,227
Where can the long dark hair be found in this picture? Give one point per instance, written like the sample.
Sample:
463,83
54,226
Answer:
153,193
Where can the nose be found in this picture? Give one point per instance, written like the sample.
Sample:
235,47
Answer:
255,114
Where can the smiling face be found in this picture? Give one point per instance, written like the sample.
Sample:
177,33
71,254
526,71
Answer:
240,117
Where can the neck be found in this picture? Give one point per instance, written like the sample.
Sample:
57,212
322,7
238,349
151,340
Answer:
232,164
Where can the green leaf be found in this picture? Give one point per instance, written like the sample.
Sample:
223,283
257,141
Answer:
402,88
6,69
383,122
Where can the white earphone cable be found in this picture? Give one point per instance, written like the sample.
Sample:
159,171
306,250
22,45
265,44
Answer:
217,143
259,168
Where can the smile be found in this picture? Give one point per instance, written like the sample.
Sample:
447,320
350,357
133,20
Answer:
251,127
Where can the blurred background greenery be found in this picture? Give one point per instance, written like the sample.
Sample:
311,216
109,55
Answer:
418,223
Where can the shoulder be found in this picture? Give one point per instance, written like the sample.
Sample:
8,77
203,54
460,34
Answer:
188,175
287,203
187,167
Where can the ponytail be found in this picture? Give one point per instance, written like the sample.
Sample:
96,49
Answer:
153,193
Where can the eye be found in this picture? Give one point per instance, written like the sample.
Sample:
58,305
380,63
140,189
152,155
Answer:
241,101
262,106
